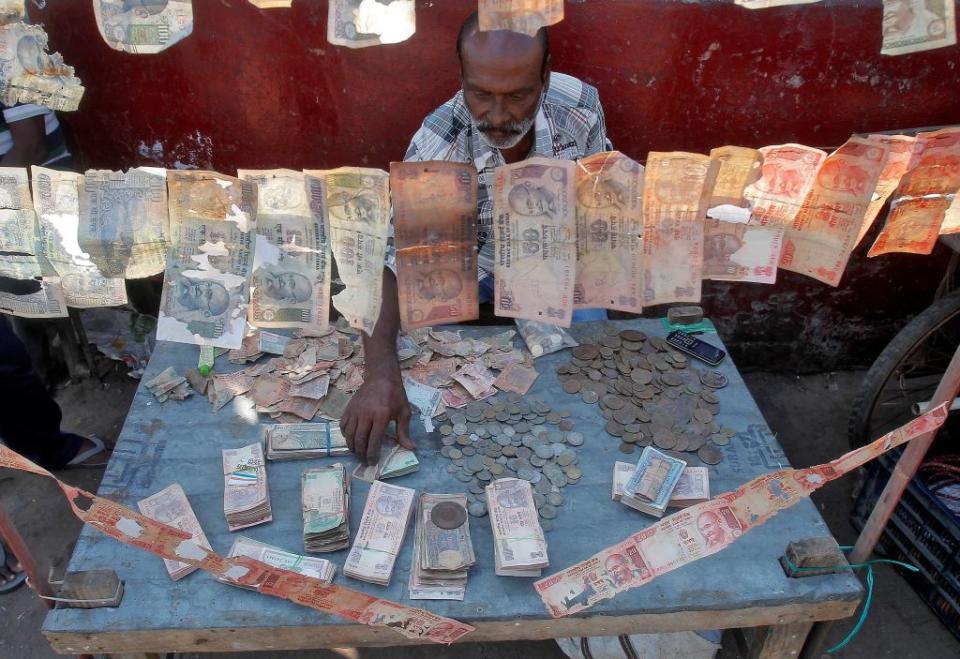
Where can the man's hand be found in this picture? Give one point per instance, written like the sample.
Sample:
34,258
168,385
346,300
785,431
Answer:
379,400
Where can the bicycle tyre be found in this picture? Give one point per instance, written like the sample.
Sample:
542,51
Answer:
911,336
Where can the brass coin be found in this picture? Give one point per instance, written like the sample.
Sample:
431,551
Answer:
572,386
586,352
630,437
710,454
633,335
448,515
702,415
641,376
720,439
626,447
664,439
613,402
625,415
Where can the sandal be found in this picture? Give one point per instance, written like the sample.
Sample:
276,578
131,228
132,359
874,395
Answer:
18,577
78,461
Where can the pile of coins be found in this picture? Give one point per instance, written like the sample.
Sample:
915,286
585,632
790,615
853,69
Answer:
512,437
649,393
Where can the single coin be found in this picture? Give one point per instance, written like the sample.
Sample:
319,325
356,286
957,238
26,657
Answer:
702,415
448,515
641,376
589,397
548,511
464,477
633,335
478,509
664,439
626,447
546,525
555,498
720,439
714,379
586,351
446,429
574,438
625,415
711,455
573,473
709,397
613,402
614,428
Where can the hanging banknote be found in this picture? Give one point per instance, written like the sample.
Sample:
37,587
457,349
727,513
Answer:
12,11
123,221
534,209
901,155
136,530
291,265
358,205
732,249
143,27
48,302
435,225
819,242
910,26
706,528
29,74
271,4
56,197
362,23
524,16
786,177
18,234
212,224
675,192
766,4
609,233
920,201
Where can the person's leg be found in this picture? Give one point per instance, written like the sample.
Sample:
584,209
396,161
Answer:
29,417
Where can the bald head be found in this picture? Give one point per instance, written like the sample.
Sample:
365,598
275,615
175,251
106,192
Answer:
503,75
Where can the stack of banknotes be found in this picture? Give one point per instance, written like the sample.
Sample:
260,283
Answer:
381,532
246,498
326,508
308,566
304,441
520,549
442,550
652,483
394,461
692,488
170,506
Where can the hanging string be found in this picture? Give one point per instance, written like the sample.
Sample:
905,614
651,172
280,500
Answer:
868,566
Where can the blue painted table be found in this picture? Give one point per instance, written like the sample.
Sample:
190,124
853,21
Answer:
742,586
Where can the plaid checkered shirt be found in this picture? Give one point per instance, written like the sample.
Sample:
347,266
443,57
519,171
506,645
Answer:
569,125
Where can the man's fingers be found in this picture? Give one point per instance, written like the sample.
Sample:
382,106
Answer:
403,429
377,430
360,438
348,426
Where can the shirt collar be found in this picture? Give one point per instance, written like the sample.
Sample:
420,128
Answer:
484,154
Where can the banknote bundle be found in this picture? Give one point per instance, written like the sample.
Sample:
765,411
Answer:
290,285
309,566
325,493
246,496
30,74
520,548
362,23
651,485
380,536
168,384
395,461
210,258
692,488
435,220
536,231
56,198
171,506
442,551
143,28
304,441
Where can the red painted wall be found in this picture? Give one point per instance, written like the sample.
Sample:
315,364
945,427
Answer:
263,88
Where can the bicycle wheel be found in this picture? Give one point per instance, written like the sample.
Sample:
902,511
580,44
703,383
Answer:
907,371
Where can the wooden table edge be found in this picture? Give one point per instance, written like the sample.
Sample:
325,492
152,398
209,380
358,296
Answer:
237,639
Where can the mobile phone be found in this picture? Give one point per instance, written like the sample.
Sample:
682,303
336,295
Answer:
694,347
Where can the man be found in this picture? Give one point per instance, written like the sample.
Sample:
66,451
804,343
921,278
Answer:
510,108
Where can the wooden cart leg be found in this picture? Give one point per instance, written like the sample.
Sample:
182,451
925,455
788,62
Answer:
776,641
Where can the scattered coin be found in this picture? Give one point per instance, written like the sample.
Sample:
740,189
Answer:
626,448
590,397
714,379
477,509
711,455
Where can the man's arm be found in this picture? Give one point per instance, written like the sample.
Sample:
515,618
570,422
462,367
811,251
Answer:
29,143
381,398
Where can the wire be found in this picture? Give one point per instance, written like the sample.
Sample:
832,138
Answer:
868,565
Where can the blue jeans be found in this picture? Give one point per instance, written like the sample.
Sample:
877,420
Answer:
579,315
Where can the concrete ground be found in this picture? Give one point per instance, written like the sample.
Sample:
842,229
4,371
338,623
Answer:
807,413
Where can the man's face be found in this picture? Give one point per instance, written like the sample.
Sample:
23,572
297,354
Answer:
618,566
442,284
502,84
360,209
209,297
530,200
720,246
287,286
898,16
710,528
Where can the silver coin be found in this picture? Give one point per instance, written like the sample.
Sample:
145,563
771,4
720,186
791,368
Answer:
464,477
574,439
478,509
546,525
548,512
589,397
555,499
446,429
